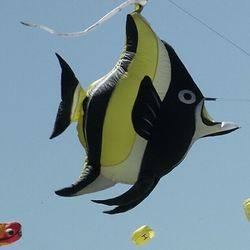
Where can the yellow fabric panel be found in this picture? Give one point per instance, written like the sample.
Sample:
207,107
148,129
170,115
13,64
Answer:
80,131
77,112
118,132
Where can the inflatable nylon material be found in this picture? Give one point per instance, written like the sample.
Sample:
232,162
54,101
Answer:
9,233
137,122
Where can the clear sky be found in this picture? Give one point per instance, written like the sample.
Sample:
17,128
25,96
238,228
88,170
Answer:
198,205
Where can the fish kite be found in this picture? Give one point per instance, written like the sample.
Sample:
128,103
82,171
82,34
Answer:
246,206
9,233
142,235
137,122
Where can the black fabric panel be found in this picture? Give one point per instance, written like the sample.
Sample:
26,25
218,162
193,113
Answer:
68,85
180,75
68,81
132,34
134,196
175,125
146,108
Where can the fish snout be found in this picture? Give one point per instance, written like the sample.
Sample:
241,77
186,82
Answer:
205,124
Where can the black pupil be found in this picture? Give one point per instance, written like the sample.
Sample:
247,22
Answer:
187,96
10,232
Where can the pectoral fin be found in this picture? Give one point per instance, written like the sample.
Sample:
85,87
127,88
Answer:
146,108
72,96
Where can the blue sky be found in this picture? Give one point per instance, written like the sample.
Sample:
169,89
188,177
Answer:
198,205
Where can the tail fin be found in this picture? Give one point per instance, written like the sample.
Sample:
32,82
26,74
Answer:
71,94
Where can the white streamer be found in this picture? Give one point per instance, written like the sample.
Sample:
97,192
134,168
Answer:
93,26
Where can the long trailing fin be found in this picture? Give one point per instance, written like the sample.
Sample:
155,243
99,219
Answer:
93,26
72,95
134,196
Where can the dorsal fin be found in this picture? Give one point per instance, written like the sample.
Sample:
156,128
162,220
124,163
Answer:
72,96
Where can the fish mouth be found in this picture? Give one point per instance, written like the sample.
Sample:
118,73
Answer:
206,118
19,233
205,124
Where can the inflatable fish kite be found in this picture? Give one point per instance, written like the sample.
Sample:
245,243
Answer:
142,235
246,205
9,233
137,122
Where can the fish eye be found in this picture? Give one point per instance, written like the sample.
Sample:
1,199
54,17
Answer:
10,232
187,96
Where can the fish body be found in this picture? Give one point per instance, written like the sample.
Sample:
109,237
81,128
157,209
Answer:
9,233
136,123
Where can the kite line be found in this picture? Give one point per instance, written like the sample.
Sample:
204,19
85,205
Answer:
210,28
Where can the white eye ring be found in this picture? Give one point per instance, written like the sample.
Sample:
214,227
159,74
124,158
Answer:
10,232
187,96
